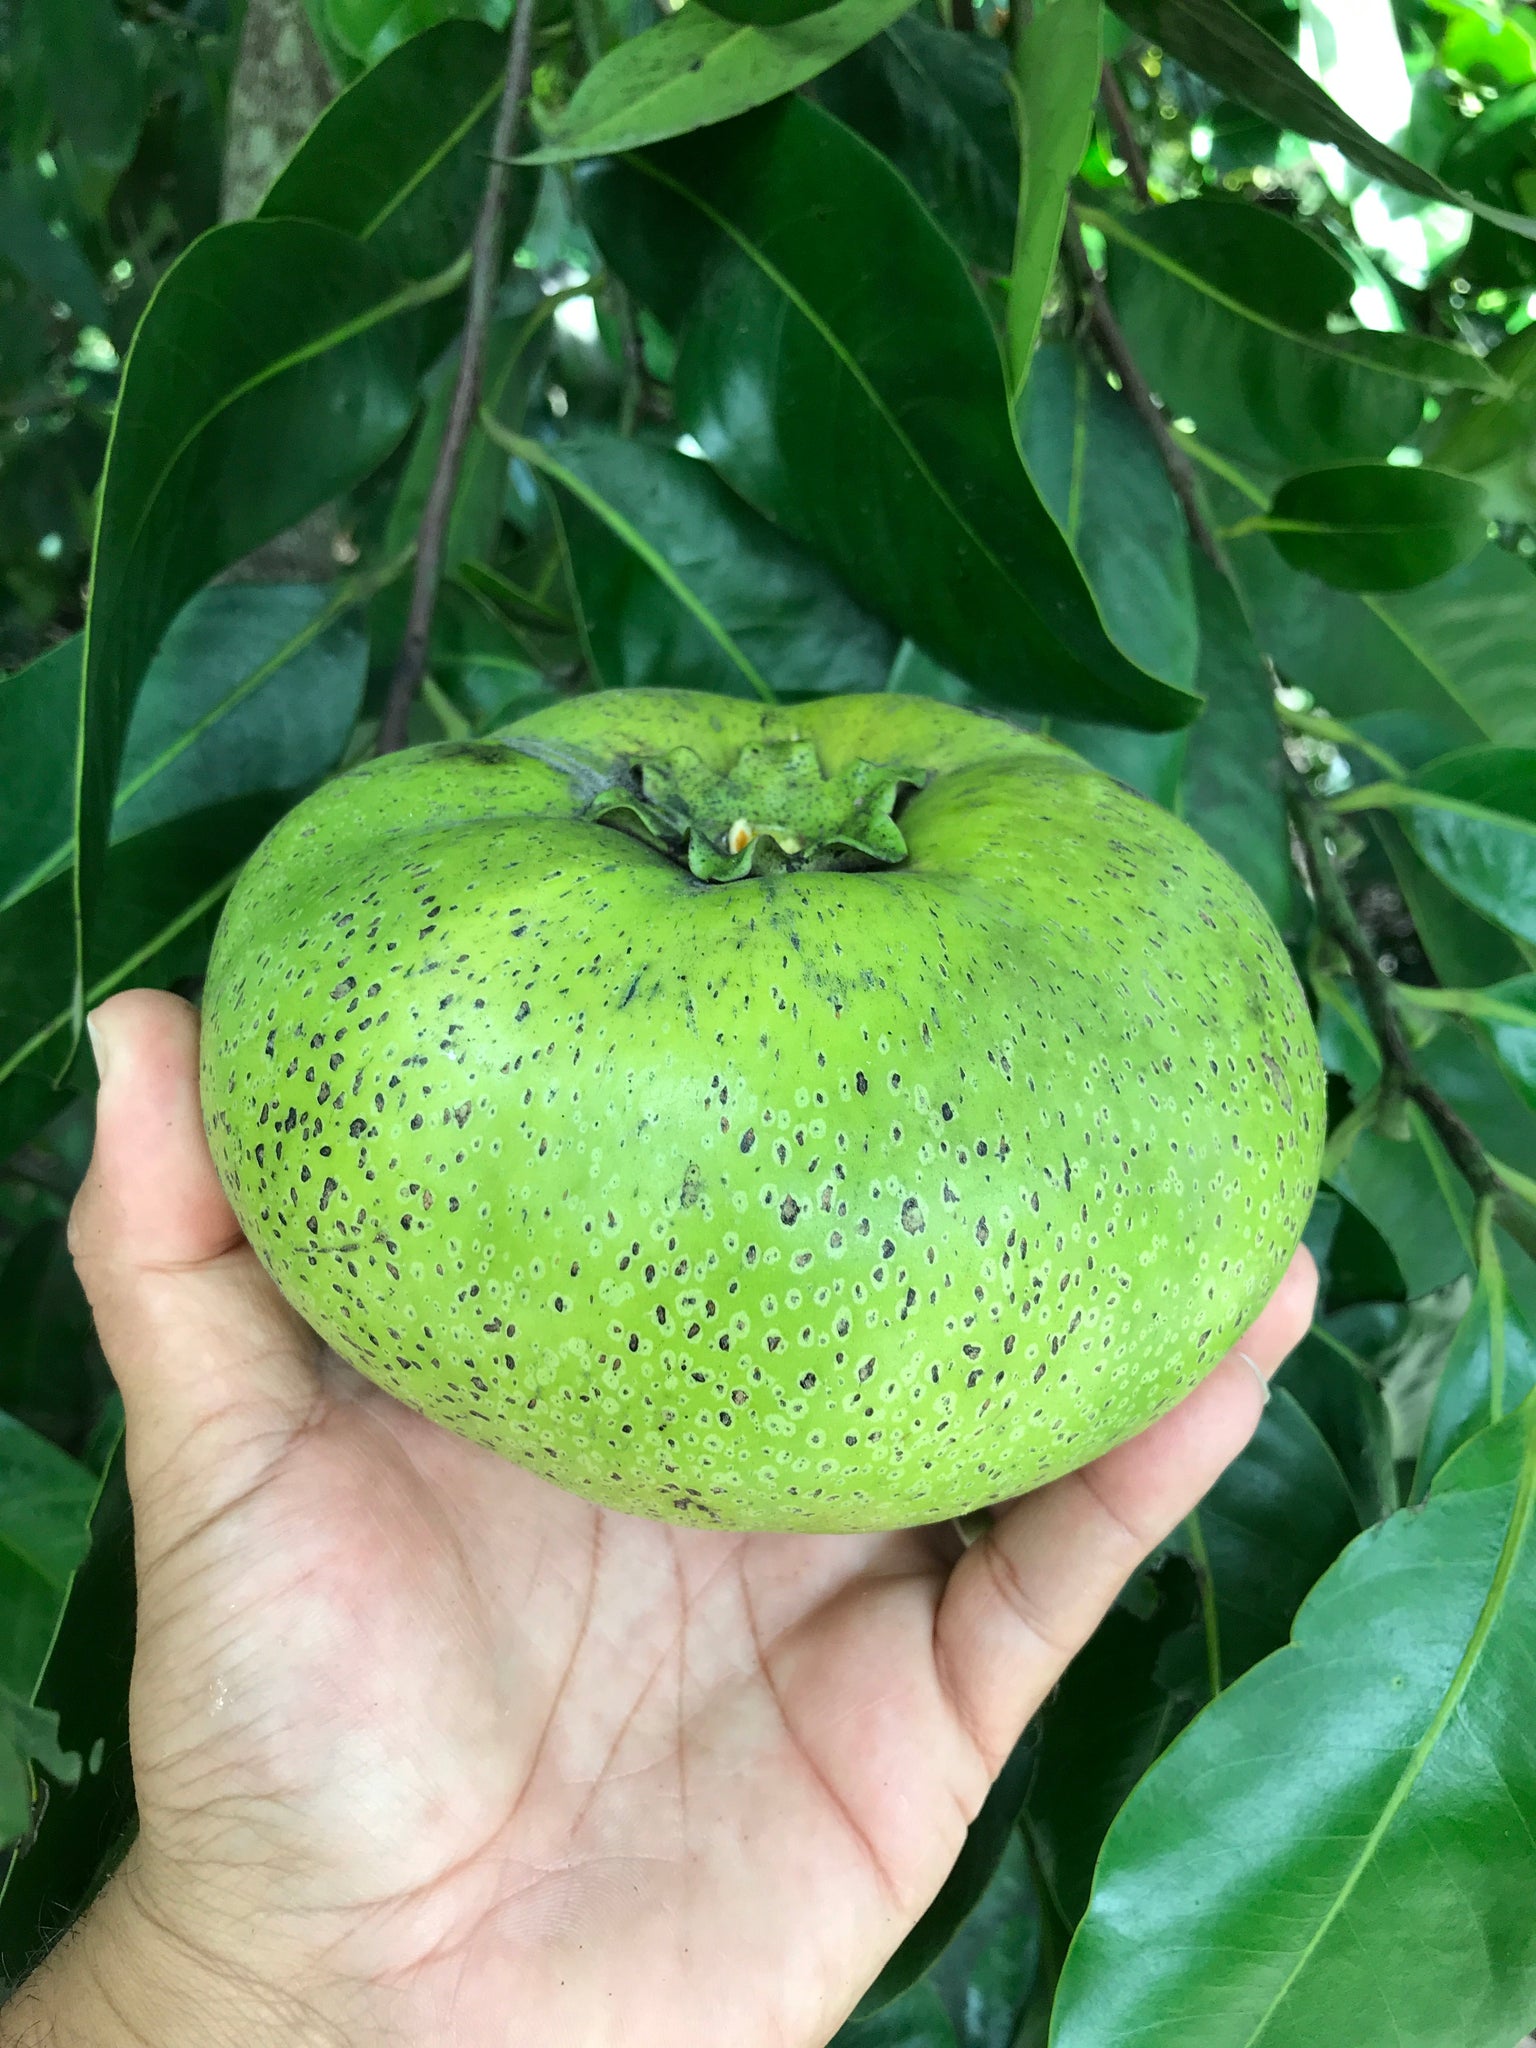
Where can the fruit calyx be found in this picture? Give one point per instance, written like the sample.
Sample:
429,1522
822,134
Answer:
776,809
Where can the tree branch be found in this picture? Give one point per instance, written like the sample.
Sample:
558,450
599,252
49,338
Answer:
1123,128
1116,351
1337,917
484,281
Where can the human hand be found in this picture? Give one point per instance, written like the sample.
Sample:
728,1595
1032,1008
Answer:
428,1752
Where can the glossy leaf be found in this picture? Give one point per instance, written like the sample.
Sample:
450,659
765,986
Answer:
1094,464
1415,1198
937,104
1331,1385
398,159
1479,833
255,687
46,1500
1513,1041
842,377
160,897
681,585
985,1974
1226,306
1055,75
1220,43
1265,1534
1229,784
915,2020
1465,950
974,1869
695,69
271,370
1363,1795
1488,1372
1375,526
1492,437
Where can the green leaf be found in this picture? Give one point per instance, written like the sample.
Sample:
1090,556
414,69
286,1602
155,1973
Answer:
974,1869
1492,437
51,263
986,1973
46,1500
398,159
915,2020
1410,1191
1514,1044
1225,307
1326,1379
85,1685
50,1374
1055,76
255,686
1265,1534
1109,1719
695,69
766,13
842,377
160,896
1229,786
1464,950
937,104
1099,472
93,82
1376,525
1478,831
1488,1372
271,370
1363,1795
1219,43
683,586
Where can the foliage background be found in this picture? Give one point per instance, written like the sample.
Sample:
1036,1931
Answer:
795,394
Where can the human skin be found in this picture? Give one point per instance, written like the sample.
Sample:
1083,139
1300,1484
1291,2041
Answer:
432,1755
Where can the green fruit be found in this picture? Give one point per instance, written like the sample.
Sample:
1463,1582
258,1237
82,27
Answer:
848,1175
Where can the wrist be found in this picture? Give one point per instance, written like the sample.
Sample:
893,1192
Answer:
126,1977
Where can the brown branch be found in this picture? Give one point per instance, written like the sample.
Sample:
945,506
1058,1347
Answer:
1116,351
484,281
1118,113
1400,1073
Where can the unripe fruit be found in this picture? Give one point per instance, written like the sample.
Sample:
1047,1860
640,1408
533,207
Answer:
832,1118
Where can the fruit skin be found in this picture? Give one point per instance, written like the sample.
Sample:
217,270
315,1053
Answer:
816,1200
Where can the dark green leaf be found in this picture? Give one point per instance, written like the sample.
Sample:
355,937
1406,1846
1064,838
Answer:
1217,41
51,263
86,1686
1514,1042
767,13
271,370
1363,1795
160,897
93,82
1410,1191
1225,307
50,1375
842,377
255,687
985,1974
1095,465
46,1500
1326,1379
916,2020
1266,1532
1492,437
1229,789
398,159
985,1841
937,104
1104,1726
1489,1370
682,585
1465,950
1477,830
695,69
1056,58
1375,525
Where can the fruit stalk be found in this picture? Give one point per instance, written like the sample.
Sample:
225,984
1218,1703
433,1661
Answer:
484,280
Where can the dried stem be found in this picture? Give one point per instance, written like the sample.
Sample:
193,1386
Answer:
1118,111
484,281
1116,351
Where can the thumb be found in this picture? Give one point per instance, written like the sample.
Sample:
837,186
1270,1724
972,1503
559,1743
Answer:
215,1371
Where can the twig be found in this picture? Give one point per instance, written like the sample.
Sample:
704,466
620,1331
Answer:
962,15
484,280
1128,148
1117,353
1337,916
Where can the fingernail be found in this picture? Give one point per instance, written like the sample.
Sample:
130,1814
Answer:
99,1037
1265,1389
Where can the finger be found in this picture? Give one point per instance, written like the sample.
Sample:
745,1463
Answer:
1027,1595
202,1347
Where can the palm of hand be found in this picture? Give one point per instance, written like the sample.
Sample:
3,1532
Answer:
482,1750
431,1752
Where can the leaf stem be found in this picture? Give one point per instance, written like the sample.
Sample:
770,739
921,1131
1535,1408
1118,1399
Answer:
484,280
1116,352
1118,113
